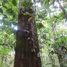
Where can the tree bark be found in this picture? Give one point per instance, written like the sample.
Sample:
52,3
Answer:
27,47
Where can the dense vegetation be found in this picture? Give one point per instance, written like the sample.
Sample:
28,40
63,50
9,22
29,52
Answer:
51,21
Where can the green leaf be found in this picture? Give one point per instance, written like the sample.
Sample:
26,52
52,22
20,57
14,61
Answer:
14,2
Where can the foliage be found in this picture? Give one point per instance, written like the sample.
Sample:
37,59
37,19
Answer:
26,4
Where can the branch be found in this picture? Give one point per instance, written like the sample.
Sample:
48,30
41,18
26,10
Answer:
64,11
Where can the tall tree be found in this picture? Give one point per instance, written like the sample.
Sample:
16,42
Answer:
27,47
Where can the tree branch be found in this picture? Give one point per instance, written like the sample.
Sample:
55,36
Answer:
64,11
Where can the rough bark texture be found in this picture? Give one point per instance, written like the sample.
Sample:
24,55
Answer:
27,48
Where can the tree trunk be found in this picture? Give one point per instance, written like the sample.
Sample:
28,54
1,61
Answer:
27,47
